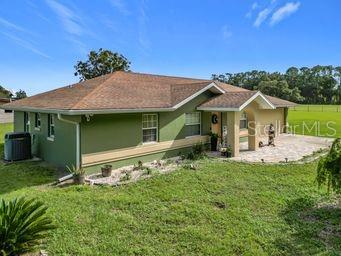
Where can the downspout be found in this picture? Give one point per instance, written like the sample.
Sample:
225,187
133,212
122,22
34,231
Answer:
77,137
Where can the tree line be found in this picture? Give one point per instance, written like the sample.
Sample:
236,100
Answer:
316,85
4,93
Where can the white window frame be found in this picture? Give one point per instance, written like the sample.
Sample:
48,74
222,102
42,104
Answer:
49,125
199,113
150,128
243,117
27,121
37,116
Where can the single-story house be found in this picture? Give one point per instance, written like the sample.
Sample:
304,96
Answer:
124,117
6,116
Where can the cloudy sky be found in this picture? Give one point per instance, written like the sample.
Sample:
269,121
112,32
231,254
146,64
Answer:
41,40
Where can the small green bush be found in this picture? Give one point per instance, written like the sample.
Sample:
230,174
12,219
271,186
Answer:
125,177
23,226
329,168
197,152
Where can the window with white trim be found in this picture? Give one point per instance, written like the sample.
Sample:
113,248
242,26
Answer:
193,124
50,132
37,121
149,127
243,121
26,122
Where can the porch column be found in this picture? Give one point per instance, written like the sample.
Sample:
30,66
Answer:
285,125
232,125
253,140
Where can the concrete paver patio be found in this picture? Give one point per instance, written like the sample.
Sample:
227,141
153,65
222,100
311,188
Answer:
292,147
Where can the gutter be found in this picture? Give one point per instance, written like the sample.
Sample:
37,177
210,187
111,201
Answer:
87,112
60,118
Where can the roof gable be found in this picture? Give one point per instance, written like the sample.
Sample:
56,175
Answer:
236,101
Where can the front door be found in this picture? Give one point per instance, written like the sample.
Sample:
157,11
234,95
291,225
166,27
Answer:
216,123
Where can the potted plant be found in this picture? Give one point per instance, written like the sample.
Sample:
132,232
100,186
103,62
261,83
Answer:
78,174
106,170
229,151
214,141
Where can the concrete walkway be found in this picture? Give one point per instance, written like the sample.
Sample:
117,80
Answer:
292,147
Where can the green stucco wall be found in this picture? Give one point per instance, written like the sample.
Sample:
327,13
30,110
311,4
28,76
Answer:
115,131
107,132
58,153
172,124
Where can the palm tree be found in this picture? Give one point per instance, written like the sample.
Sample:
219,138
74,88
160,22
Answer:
23,225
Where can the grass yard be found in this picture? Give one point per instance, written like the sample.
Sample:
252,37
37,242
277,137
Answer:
4,128
315,122
219,209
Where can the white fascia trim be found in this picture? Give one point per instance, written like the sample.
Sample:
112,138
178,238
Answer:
254,97
197,94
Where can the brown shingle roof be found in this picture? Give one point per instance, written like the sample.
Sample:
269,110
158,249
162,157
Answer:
230,88
279,102
119,90
127,90
229,100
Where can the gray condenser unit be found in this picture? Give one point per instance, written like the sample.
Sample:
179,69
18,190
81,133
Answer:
17,146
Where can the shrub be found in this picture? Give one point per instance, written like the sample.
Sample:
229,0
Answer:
76,171
125,177
329,168
197,152
23,225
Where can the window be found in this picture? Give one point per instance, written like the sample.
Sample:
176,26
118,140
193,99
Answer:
193,124
26,122
50,125
37,121
243,121
149,127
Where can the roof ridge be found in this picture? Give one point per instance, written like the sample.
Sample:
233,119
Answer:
149,74
92,92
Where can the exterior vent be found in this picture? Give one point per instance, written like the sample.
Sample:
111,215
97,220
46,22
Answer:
17,146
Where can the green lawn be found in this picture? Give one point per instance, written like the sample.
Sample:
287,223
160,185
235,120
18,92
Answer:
315,122
219,209
4,128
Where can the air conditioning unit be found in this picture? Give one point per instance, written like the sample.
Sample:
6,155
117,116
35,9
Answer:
17,146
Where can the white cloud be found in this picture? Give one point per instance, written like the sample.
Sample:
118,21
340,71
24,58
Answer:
226,32
120,6
284,11
13,27
71,22
261,17
142,20
254,6
25,44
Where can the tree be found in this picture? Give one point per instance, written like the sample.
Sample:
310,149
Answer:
4,93
23,224
101,63
316,85
280,89
338,77
329,168
20,94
